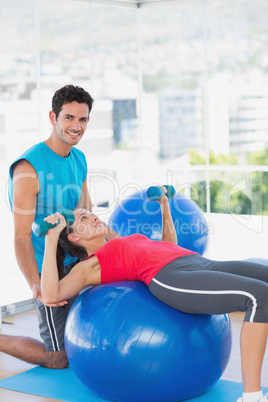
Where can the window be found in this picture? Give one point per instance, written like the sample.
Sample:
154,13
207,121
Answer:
180,97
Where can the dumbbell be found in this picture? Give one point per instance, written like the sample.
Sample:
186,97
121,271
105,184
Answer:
154,193
41,227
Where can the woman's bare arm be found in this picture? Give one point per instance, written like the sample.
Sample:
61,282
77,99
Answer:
168,228
83,274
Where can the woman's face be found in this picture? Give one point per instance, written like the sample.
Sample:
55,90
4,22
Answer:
87,225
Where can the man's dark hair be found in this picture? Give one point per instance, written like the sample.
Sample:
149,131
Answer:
68,94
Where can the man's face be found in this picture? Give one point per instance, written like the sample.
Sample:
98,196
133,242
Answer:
71,122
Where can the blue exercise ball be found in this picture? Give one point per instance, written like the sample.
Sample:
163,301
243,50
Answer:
137,214
125,345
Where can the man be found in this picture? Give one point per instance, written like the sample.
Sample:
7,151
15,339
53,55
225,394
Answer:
48,177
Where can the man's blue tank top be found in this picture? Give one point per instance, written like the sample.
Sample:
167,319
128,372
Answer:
61,181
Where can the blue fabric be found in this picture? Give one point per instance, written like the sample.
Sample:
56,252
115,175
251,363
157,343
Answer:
61,181
65,386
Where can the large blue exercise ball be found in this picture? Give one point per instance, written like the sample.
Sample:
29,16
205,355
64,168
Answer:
127,346
137,214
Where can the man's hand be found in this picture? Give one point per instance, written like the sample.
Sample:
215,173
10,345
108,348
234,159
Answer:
36,290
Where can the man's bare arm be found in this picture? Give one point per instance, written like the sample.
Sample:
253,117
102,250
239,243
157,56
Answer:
25,189
85,200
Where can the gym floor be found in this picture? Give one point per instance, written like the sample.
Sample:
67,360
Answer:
26,324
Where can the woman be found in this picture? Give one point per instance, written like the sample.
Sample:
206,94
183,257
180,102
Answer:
178,277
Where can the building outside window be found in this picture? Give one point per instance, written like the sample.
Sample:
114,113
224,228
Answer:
180,98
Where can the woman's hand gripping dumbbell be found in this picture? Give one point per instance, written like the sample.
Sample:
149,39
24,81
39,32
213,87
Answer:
154,193
40,227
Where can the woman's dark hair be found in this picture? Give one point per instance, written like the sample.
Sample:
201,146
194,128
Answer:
64,245
69,94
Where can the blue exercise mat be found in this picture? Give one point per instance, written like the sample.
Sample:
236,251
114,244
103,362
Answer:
65,386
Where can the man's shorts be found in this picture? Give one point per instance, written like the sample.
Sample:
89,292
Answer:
52,320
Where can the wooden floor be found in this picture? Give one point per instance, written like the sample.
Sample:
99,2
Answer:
26,324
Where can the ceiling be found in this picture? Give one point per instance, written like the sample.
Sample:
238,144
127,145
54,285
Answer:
137,3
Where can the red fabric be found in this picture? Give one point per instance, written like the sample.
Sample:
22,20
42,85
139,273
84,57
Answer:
136,257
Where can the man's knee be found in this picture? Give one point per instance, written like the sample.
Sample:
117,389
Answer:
56,360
